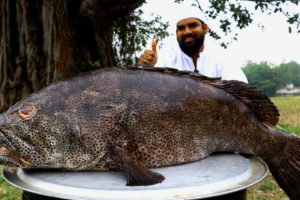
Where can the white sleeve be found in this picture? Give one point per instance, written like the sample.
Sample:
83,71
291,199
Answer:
233,73
215,66
166,59
161,59
230,71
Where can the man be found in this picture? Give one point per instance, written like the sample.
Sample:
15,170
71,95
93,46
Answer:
191,54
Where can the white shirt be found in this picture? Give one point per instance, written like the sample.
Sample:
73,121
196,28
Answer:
207,65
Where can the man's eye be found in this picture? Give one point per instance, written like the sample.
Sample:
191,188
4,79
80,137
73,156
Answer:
193,25
180,28
27,111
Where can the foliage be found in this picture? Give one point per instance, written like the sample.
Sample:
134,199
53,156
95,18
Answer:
269,78
234,14
261,76
7,191
131,34
94,64
267,186
288,73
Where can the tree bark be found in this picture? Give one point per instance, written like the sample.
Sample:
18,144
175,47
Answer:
42,41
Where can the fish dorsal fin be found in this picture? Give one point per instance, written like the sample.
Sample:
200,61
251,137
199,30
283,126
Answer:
259,103
255,99
174,71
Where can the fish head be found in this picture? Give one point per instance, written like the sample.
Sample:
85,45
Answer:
33,135
15,129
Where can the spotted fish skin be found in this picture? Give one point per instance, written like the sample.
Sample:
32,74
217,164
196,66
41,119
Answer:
117,118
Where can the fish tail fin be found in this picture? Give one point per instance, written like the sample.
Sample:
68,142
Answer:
285,167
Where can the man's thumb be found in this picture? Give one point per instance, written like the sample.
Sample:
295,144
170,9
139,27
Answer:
154,46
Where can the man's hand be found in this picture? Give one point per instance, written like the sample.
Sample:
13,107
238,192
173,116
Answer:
149,57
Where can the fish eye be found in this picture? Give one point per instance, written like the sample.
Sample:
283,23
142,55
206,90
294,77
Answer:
27,111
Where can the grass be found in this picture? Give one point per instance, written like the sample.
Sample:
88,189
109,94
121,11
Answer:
289,108
7,191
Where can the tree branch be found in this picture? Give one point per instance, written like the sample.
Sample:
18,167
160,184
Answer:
118,8
272,1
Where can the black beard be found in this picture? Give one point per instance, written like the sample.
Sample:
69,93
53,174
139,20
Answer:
191,50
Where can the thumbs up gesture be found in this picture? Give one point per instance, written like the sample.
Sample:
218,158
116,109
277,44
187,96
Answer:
149,57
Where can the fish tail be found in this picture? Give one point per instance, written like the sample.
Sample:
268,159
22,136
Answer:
285,166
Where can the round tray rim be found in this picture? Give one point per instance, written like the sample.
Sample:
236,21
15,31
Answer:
259,171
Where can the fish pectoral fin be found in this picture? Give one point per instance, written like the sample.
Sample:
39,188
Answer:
136,174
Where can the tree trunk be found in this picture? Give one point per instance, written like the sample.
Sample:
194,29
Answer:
42,41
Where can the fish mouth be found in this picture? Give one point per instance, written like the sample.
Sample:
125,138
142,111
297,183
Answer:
8,155
5,142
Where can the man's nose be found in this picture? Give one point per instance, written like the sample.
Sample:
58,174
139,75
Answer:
187,31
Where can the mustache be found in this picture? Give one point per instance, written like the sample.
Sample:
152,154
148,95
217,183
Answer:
193,49
190,35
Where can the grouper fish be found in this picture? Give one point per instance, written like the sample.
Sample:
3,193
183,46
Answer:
137,118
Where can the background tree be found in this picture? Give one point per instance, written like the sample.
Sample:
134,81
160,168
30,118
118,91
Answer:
261,76
271,78
131,34
46,40
287,73
42,41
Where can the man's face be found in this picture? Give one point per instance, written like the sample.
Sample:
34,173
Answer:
190,35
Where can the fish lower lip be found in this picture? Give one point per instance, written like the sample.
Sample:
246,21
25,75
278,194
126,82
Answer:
4,151
8,150
7,142
24,162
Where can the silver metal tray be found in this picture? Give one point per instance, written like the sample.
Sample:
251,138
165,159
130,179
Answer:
216,175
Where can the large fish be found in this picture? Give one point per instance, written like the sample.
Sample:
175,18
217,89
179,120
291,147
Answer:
133,119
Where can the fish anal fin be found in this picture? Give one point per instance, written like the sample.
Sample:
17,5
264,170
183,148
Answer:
136,174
